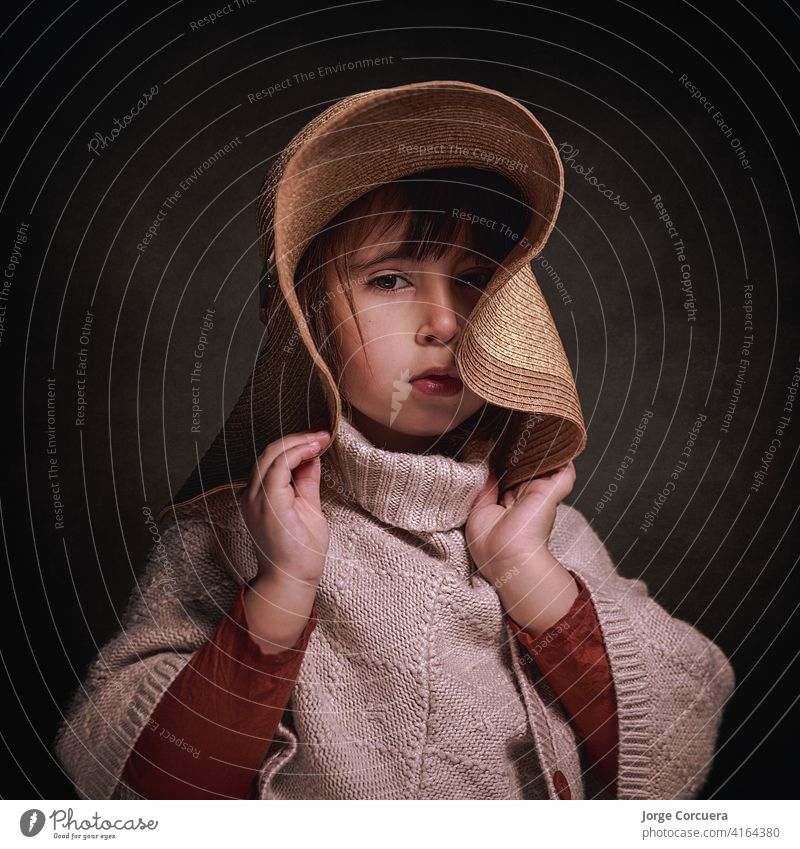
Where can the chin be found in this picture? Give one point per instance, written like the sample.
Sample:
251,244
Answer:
428,425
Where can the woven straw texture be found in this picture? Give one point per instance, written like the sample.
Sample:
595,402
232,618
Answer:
511,353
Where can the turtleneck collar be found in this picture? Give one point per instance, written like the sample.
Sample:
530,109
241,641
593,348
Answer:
416,492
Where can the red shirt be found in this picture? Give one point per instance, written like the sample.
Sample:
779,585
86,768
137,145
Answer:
211,731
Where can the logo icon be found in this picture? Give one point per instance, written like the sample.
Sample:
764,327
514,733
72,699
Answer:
402,389
31,822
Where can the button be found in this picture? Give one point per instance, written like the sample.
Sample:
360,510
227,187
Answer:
561,784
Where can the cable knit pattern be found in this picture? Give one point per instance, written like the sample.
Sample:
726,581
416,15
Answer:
450,706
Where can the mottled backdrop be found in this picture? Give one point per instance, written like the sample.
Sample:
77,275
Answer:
134,142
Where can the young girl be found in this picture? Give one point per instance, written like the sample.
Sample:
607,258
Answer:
371,587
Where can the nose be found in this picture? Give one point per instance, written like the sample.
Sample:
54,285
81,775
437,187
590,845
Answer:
441,310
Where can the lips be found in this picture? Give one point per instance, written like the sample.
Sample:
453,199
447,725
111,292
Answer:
438,382
438,373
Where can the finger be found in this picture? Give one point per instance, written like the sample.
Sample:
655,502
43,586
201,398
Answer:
307,478
553,486
510,496
530,485
519,490
560,481
267,458
272,450
279,474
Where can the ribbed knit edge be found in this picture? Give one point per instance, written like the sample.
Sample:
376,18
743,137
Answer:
116,744
396,487
282,750
635,706
537,715
641,719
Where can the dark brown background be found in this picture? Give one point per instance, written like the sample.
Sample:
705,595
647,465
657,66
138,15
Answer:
603,78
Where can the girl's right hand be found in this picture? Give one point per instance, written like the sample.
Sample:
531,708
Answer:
281,507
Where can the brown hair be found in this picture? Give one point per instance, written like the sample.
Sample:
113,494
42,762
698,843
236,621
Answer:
425,208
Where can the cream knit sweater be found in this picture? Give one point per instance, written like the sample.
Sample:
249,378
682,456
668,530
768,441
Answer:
413,685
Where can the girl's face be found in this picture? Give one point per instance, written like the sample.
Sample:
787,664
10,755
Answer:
412,314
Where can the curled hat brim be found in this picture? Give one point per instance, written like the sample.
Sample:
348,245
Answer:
510,353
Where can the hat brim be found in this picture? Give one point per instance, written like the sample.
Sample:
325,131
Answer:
391,133
357,144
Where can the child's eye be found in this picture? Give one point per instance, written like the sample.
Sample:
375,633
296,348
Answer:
376,282
475,279
387,282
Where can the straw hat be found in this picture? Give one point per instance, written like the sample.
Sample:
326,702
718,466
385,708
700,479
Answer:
510,352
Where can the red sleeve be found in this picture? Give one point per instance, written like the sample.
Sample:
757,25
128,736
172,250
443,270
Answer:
571,655
209,734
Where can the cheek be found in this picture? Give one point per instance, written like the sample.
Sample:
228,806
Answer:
381,351
381,330
372,370
348,341
342,325
346,337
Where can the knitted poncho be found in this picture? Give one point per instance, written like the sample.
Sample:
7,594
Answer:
412,685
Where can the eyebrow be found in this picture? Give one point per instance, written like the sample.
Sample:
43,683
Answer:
395,253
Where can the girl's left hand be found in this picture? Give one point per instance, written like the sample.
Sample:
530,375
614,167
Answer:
510,534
